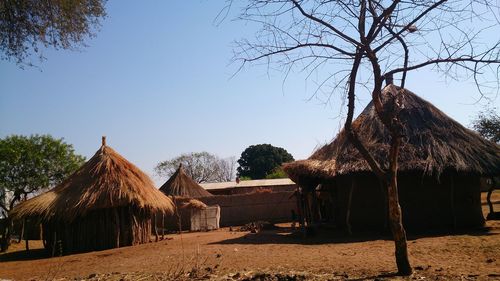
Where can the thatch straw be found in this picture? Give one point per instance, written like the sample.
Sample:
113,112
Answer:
180,184
433,143
107,180
188,203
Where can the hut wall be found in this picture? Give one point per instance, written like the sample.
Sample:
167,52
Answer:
251,189
452,201
205,219
98,230
171,222
32,228
468,211
367,210
425,203
244,208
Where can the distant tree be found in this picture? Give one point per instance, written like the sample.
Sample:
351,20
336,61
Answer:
200,166
487,124
26,25
257,161
277,173
30,164
227,169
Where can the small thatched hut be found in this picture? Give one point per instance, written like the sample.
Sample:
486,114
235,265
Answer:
107,203
180,184
184,207
184,191
440,165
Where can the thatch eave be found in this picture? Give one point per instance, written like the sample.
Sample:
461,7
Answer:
433,143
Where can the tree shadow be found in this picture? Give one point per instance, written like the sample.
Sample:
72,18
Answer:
24,255
383,275
285,235
480,231
321,235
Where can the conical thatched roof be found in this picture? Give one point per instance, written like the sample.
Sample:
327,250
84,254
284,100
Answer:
433,142
107,180
180,184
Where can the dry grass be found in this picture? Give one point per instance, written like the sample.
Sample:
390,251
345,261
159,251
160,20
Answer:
188,203
433,142
107,180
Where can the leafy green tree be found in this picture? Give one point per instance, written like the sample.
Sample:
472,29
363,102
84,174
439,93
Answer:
200,166
487,124
257,161
27,25
277,173
29,165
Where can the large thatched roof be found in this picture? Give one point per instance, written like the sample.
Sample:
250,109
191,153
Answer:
180,184
107,180
433,142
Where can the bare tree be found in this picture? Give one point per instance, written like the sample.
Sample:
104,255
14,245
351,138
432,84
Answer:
359,44
200,166
226,169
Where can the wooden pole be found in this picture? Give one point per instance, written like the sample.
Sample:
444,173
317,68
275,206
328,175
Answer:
117,226
54,244
25,236
349,201
384,199
156,229
42,236
177,215
488,199
315,207
22,231
307,208
301,209
452,201
162,225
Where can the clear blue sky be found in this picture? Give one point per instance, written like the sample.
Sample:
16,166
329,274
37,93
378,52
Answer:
157,82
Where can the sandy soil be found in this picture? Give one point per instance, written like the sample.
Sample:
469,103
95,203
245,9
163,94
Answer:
274,254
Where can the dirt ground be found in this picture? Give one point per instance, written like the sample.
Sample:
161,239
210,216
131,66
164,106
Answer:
274,254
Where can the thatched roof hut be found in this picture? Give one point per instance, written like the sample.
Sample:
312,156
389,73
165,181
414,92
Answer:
180,184
181,220
440,164
106,203
433,143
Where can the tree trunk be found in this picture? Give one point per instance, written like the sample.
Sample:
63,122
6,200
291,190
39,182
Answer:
395,217
402,261
5,242
390,119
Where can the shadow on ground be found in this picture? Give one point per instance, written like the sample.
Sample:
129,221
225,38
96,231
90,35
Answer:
24,255
285,235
